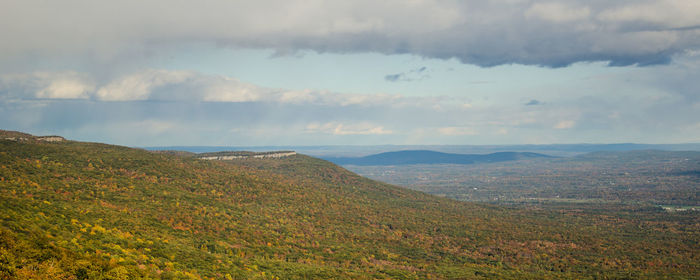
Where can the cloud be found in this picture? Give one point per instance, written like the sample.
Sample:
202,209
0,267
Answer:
49,85
170,107
412,75
227,89
65,89
557,12
393,77
533,102
189,86
347,129
457,131
647,116
140,86
485,33
565,124
670,14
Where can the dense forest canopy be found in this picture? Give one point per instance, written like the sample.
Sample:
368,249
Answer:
73,210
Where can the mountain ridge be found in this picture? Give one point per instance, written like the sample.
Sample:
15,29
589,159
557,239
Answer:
365,150
407,157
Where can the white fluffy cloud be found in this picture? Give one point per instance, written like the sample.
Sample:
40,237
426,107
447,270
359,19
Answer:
167,85
49,85
140,86
552,33
68,89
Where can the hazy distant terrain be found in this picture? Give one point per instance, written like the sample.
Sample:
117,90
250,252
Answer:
366,150
661,177
431,157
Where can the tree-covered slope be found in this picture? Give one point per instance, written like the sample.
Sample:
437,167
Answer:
71,210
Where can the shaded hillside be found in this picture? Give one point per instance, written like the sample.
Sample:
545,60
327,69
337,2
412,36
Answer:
73,210
431,157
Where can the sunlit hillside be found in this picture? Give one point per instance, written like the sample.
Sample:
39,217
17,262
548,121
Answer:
73,210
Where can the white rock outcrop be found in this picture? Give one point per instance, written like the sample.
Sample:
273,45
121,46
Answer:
266,155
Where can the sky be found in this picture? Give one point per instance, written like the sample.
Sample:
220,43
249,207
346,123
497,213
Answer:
313,72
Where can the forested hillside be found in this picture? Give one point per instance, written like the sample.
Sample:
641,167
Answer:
72,210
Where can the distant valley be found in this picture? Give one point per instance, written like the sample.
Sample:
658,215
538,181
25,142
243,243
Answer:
649,176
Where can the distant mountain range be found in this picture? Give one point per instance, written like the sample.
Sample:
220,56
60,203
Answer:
431,157
361,150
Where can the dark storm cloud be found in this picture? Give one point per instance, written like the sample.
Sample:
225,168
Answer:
485,33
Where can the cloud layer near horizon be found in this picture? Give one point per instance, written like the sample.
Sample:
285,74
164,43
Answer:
170,85
164,107
485,33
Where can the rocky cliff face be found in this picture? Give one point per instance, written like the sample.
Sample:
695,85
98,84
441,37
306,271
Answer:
248,155
20,136
51,138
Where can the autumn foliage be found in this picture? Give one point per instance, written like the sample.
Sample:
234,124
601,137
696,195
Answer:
73,210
